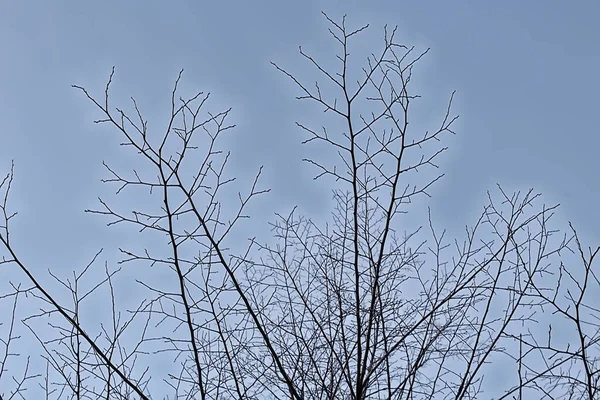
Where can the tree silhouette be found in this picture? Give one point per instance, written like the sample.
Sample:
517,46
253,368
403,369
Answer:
356,308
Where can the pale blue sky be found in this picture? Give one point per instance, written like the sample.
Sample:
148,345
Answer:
525,74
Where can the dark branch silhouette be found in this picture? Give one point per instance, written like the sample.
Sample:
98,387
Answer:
360,307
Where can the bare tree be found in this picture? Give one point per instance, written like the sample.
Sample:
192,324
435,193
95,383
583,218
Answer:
360,307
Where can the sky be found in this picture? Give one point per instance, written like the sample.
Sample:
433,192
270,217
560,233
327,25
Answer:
524,74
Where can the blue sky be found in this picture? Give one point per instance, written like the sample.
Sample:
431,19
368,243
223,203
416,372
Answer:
525,75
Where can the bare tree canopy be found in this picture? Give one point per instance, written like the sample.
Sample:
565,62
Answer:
360,306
